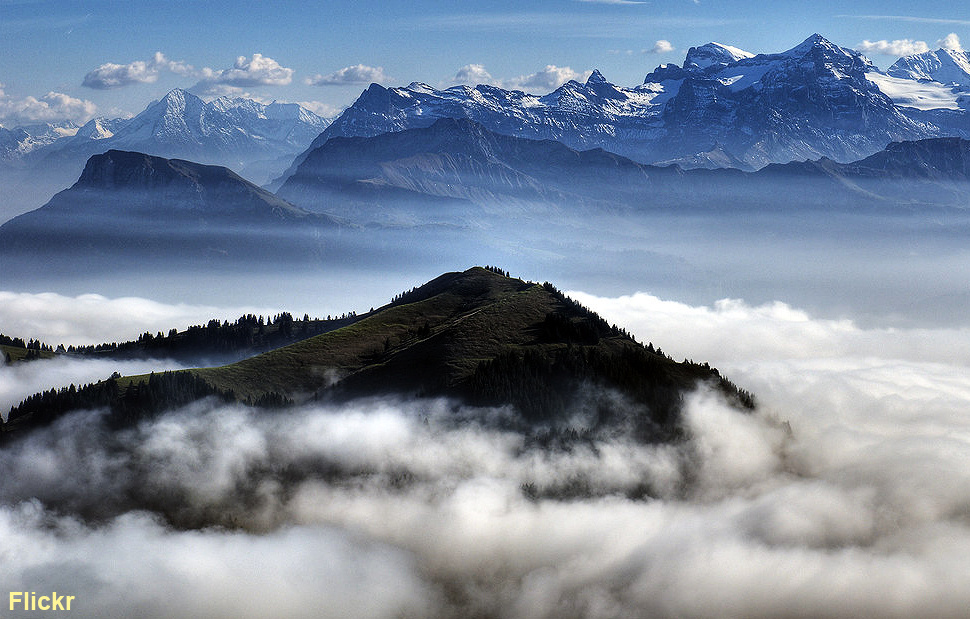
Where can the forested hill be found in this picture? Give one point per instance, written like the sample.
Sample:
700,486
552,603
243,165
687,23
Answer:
225,340
478,336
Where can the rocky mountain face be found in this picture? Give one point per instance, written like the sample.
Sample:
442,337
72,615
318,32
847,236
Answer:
919,175
814,100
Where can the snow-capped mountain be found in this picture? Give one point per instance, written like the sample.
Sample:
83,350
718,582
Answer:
17,143
713,55
230,132
946,66
932,87
814,100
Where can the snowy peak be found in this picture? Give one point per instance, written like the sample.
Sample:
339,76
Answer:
225,131
602,89
97,129
946,66
178,102
595,78
838,61
18,142
713,55
819,45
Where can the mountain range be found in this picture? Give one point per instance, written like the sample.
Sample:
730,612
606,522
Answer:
254,139
367,178
453,172
724,107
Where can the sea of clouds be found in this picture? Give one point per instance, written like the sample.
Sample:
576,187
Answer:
847,494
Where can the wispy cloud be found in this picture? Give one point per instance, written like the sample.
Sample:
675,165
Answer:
93,319
25,24
911,18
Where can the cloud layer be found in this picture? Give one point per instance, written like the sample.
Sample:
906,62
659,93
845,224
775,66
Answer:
396,508
95,319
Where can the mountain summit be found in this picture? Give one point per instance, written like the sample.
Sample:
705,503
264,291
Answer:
713,55
946,66
131,203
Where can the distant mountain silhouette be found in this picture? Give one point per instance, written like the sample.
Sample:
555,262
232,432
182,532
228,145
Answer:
126,199
455,162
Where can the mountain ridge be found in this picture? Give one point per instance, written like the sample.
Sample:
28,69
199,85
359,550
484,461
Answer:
462,160
478,336
814,100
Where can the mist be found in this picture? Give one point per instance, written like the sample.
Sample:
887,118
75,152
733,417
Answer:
844,495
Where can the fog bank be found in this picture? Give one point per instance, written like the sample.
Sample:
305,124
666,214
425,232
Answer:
389,508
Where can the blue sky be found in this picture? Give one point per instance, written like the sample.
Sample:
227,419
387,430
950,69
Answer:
76,59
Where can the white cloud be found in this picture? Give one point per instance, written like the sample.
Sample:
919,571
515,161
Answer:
111,75
544,80
356,74
899,47
662,46
547,79
52,107
950,41
257,70
732,331
474,74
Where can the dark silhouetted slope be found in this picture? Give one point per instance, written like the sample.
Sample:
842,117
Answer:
478,336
